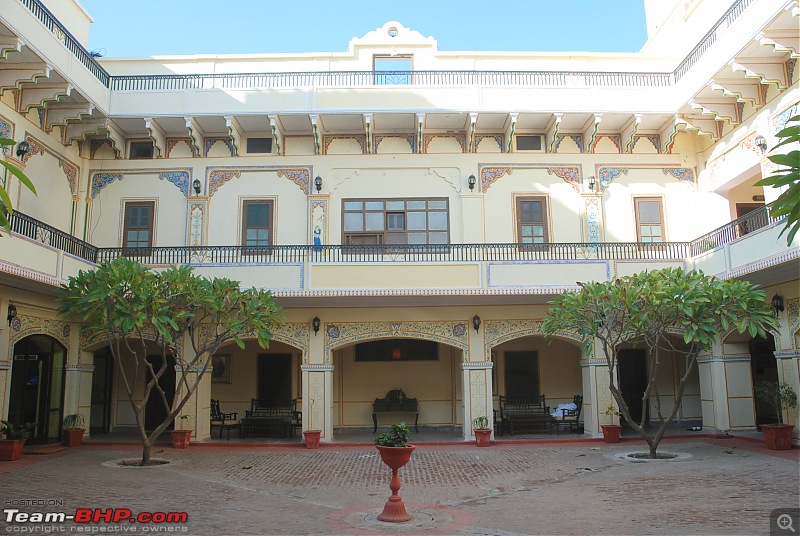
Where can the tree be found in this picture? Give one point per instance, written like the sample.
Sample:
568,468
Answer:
667,311
187,317
788,203
5,200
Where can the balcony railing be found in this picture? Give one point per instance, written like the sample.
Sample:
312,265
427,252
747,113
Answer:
32,228
731,231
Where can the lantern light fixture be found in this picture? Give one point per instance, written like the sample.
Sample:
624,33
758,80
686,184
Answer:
777,303
318,183
12,313
315,325
471,181
196,185
476,323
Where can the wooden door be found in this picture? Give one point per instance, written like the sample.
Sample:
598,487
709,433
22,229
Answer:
274,379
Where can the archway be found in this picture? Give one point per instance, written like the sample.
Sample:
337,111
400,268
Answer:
764,368
37,386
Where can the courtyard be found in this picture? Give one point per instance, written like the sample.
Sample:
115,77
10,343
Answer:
715,486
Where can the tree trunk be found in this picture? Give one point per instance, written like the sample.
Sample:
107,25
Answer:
146,447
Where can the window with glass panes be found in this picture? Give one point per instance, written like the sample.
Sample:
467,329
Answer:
532,220
649,224
138,225
395,221
257,223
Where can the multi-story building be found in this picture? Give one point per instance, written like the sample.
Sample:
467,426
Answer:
423,205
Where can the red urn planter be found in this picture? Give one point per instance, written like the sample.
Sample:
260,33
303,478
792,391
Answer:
394,511
312,438
180,438
11,449
778,436
73,437
483,437
611,432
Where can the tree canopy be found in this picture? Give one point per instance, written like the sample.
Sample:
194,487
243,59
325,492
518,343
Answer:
788,177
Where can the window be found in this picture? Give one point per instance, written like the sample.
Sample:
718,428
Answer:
141,150
138,225
395,221
532,220
529,143
392,70
259,145
649,224
257,224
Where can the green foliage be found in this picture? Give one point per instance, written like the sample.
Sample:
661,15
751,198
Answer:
74,421
396,437
788,203
778,395
5,200
17,431
480,423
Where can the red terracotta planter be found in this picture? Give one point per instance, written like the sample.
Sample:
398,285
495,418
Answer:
778,436
483,437
73,437
11,449
611,432
180,438
312,438
394,511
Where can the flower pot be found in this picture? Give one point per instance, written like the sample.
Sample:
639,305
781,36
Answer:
312,438
180,438
73,437
11,449
611,432
483,437
778,436
394,511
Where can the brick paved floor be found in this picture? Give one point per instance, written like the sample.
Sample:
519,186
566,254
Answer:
723,487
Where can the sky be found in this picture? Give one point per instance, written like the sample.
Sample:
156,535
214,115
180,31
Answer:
124,28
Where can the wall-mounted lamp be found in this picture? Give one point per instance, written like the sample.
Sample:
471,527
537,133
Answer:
592,183
196,185
12,313
471,182
777,303
22,149
761,143
315,325
476,323
318,183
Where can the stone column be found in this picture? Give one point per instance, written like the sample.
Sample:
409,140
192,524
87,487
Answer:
596,394
789,372
726,390
5,359
317,378
477,393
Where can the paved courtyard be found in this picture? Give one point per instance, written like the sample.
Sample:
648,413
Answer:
716,486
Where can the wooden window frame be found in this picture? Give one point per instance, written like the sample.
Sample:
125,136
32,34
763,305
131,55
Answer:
243,220
660,201
127,205
518,200
382,234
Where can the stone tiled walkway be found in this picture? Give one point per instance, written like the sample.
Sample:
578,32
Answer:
721,487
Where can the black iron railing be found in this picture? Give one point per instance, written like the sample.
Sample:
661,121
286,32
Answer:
731,231
32,228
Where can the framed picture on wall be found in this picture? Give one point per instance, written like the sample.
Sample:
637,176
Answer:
221,369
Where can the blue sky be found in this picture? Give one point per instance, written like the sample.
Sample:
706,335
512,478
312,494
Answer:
125,28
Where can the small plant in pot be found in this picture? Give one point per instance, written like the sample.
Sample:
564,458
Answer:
611,432
14,436
780,397
182,434
74,428
395,452
483,434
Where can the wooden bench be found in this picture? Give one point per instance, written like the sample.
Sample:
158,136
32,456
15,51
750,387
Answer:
523,415
276,420
395,401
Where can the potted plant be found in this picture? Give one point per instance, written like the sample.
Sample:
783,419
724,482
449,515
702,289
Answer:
780,397
395,452
74,428
14,438
611,432
181,436
483,434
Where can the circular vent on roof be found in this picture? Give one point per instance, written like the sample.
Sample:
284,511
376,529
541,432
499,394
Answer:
392,32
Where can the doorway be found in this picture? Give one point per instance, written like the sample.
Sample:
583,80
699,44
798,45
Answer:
37,387
100,411
632,367
274,379
522,374
763,367
154,411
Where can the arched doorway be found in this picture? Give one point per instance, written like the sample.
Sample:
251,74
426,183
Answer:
764,368
37,386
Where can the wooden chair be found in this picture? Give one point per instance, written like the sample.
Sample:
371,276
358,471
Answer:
225,421
569,417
